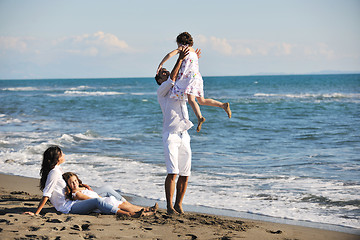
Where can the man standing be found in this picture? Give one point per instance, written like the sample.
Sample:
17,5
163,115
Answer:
176,139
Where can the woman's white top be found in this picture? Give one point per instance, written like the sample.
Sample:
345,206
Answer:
55,190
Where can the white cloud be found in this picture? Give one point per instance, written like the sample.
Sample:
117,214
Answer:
287,47
221,45
96,44
110,40
13,43
244,47
200,39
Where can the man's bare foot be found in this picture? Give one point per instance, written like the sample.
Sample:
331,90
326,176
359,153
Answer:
226,107
172,211
179,209
200,122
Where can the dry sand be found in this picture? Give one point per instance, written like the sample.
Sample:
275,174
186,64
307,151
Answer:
19,194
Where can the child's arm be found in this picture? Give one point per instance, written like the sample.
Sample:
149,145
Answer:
87,186
198,52
167,57
80,196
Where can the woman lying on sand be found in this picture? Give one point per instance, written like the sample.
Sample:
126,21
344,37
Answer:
53,185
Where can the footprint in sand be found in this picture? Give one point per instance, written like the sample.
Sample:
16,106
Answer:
19,193
54,221
274,232
33,229
193,237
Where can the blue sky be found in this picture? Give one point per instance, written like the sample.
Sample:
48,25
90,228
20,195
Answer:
100,39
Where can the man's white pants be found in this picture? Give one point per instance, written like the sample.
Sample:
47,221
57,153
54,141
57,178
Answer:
177,152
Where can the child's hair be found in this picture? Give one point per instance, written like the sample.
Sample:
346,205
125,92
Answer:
50,159
68,190
185,39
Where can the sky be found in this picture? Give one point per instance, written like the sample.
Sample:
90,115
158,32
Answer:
41,39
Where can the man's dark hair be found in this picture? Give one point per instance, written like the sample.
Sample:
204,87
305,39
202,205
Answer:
157,78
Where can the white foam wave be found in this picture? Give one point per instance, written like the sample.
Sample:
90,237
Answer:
310,95
80,88
87,136
4,119
96,93
277,197
20,89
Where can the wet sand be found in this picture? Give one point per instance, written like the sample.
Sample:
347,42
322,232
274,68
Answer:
20,194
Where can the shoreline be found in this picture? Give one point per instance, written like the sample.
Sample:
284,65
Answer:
249,216
19,194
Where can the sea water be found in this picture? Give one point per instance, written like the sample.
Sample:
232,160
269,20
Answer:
291,149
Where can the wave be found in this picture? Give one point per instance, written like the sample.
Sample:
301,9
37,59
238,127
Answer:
327,201
310,95
7,119
84,87
20,89
87,136
96,93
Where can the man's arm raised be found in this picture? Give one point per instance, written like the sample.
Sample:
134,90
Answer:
182,54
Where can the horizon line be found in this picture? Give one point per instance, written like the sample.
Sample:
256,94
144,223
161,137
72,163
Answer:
250,75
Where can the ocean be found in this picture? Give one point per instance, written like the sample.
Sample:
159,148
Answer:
290,151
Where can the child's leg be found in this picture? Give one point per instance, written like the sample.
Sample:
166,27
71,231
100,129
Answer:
196,109
214,103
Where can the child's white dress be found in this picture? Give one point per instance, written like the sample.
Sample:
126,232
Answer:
189,80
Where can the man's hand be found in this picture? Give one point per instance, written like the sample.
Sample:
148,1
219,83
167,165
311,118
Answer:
198,52
183,53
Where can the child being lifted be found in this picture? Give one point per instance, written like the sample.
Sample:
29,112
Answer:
189,83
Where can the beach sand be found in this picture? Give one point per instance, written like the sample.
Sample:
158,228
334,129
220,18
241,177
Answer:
20,194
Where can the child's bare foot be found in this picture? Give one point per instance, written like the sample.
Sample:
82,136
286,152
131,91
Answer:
200,122
179,209
226,107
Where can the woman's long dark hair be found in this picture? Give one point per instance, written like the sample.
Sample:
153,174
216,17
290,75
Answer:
50,159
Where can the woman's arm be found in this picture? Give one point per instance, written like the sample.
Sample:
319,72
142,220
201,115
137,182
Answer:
167,57
40,207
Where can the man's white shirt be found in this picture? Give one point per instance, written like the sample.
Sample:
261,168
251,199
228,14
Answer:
175,112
